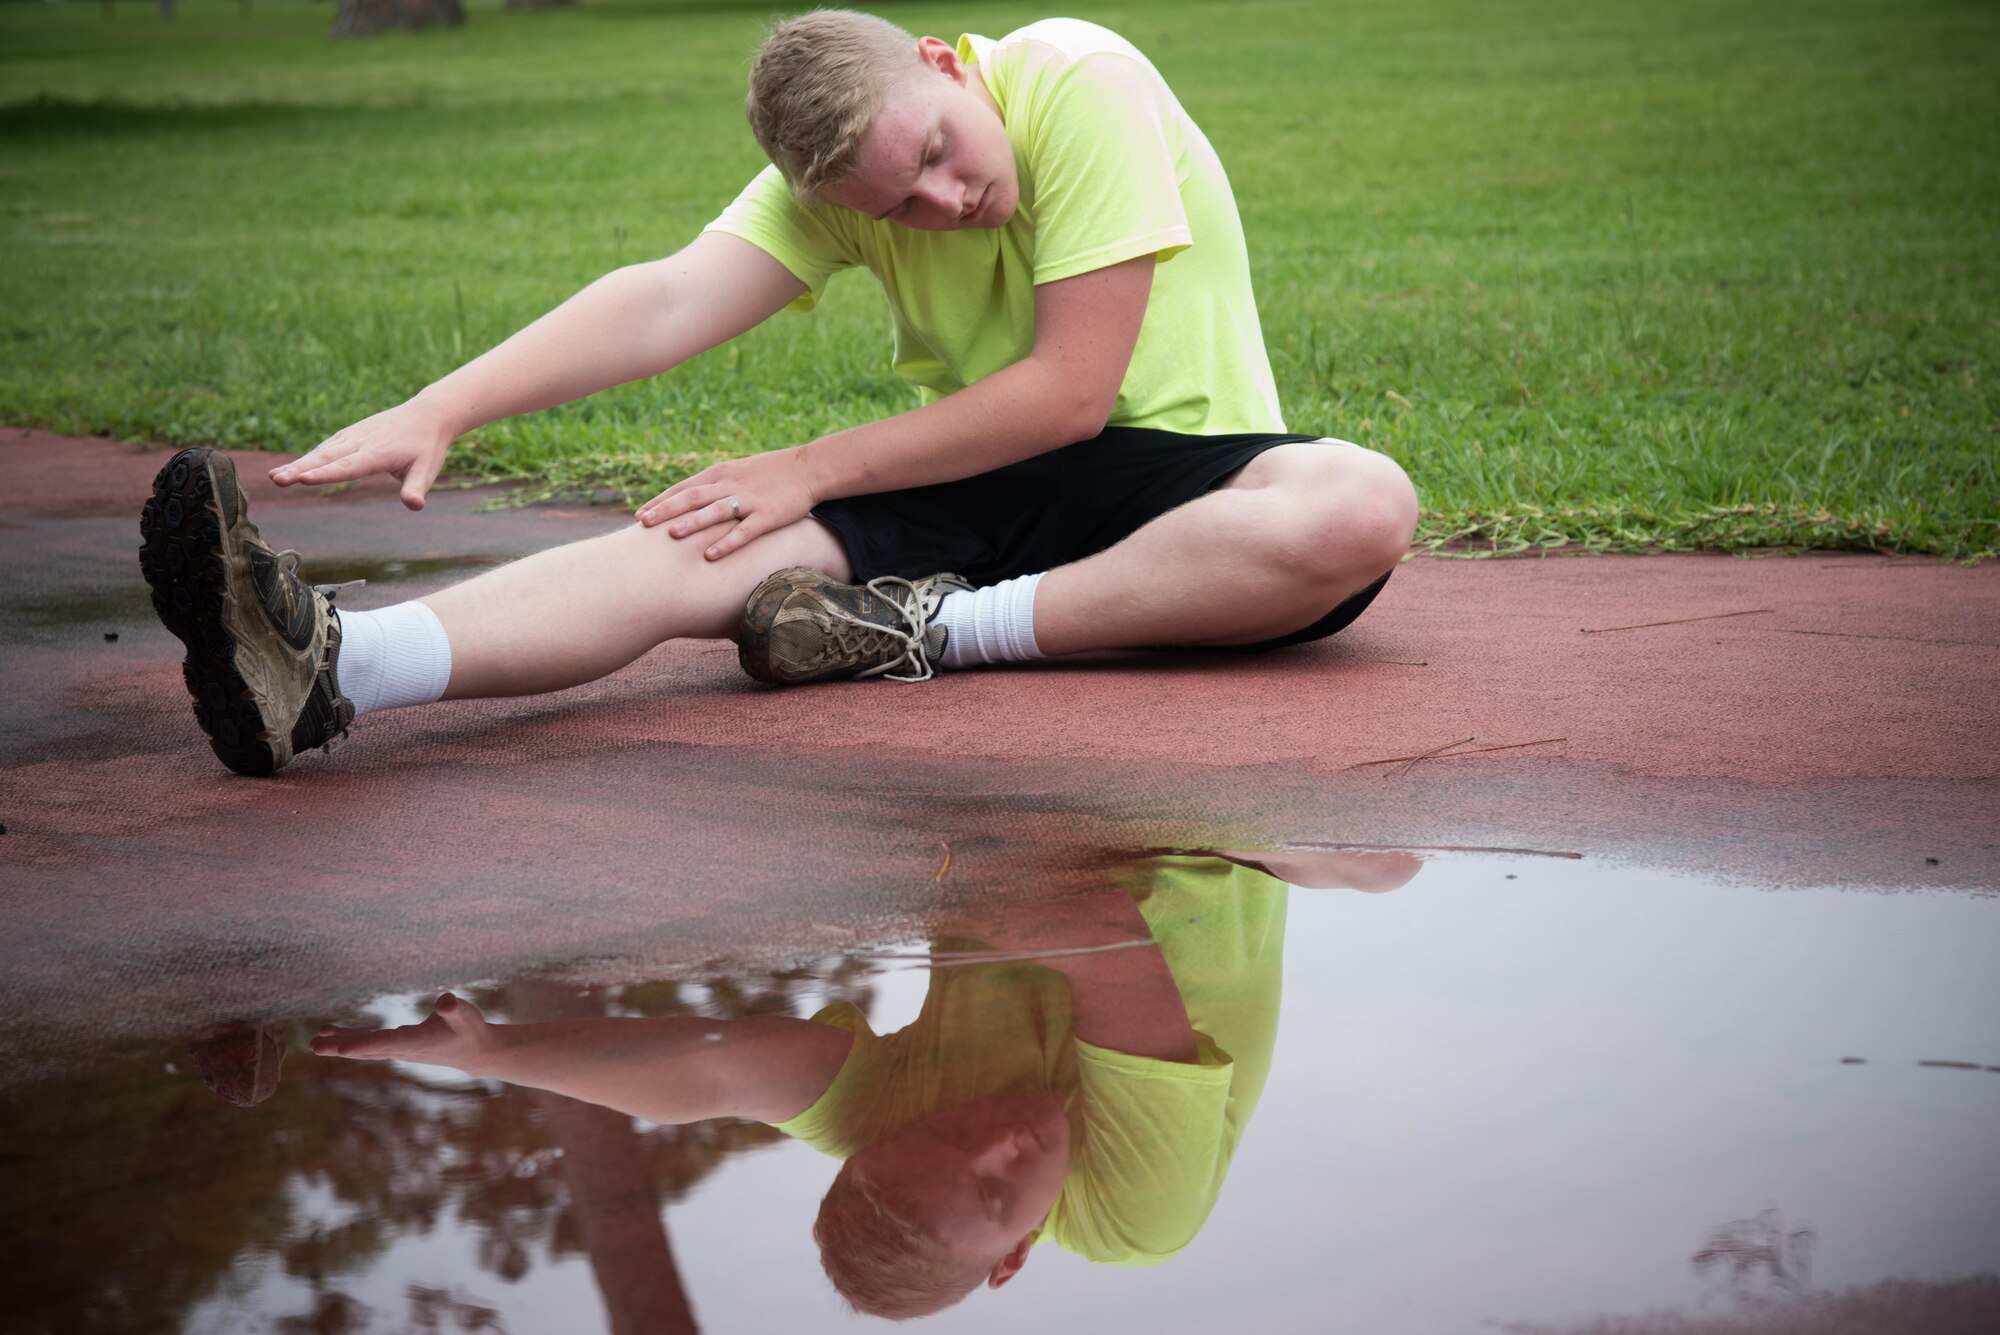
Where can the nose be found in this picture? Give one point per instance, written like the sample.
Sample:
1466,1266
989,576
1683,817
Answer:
947,198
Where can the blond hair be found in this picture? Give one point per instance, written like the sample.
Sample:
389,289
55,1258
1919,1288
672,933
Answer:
880,1259
815,87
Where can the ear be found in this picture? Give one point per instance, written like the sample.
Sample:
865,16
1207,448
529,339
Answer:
1010,1265
941,56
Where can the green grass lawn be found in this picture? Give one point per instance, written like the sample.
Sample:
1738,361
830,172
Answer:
1618,274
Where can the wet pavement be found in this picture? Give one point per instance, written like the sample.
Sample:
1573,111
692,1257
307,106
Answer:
1745,814
1516,1089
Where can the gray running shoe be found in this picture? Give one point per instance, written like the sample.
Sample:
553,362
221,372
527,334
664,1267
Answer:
261,642
801,625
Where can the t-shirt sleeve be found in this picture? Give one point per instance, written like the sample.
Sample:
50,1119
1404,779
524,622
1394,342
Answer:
1101,154
1156,1149
806,241
822,1125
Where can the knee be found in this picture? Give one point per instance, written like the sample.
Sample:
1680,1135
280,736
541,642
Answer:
1351,521
1379,511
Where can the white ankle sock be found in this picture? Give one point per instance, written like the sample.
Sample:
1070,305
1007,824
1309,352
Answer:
995,624
392,657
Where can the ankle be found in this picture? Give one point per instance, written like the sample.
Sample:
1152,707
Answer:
392,657
995,624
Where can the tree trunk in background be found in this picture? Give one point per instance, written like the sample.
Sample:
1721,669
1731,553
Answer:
167,8
613,1196
618,1217
365,18
537,4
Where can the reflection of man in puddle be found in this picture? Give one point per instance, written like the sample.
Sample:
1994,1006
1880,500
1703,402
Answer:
1092,1098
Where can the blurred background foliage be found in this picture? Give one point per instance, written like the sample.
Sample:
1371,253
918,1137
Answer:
1600,273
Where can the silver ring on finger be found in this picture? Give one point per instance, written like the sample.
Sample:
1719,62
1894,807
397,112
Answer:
735,510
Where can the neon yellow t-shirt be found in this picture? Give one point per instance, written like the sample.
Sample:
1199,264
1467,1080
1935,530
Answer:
1150,1140
1111,168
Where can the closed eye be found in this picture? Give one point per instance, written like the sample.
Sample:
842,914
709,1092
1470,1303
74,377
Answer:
933,154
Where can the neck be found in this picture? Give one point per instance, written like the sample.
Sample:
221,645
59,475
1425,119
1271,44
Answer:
975,83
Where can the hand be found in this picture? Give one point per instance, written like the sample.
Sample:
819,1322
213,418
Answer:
455,1034
770,491
408,442
1333,869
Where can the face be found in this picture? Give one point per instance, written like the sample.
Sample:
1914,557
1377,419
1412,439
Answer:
936,156
980,1177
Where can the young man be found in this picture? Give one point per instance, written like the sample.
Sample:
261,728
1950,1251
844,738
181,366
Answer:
1099,461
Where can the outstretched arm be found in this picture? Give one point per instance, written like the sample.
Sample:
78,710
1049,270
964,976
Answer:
632,323
675,1069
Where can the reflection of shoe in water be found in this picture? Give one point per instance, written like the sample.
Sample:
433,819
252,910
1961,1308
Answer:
261,642
241,1062
801,625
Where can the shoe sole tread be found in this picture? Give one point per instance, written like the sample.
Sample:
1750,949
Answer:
183,564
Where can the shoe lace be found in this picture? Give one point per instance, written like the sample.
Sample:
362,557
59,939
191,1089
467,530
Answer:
915,606
288,561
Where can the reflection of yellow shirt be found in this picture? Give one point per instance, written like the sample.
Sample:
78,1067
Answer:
1111,168
1150,1141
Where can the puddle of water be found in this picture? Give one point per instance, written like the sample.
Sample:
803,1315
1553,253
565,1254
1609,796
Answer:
109,608
119,608
1495,1089
394,569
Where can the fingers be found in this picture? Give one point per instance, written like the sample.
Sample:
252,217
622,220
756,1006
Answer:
735,538
358,464
335,447
358,1044
657,509
687,514
694,510
677,500
461,1015
432,1038
727,510
417,484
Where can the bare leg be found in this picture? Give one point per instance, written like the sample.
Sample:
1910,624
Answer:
575,613
1297,530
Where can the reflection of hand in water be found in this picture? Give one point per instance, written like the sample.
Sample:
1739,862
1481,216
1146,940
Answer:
1334,868
454,1034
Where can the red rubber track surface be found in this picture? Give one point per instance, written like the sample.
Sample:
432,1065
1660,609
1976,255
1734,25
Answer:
1815,719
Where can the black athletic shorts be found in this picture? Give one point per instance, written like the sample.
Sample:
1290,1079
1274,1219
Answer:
1051,510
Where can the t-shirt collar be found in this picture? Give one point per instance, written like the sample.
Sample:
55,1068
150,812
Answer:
974,50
